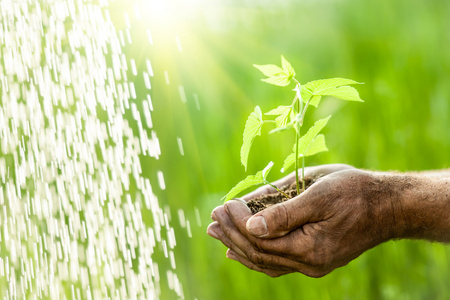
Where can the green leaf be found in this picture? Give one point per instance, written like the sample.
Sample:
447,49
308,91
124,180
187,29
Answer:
315,100
288,162
319,87
348,93
280,80
305,141
317,145
278,111
270,70
309,144
276,75
287,67
305,93
336,87
283,113
251,130
251,180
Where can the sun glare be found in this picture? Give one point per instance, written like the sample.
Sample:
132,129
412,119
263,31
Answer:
168,15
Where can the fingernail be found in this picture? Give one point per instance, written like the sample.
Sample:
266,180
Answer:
212,233
236,206
257,226
213,217
241,200
231,254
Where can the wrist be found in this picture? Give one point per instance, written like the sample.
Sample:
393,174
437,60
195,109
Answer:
389,189
420,206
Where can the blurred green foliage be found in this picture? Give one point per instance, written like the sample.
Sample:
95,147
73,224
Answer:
399,49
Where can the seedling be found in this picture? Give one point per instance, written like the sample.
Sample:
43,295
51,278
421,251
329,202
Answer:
290,117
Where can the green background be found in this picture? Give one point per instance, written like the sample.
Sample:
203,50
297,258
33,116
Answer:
399,49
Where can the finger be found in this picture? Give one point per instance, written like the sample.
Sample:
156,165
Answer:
218,210
272,273
220,235
227,228
280,219
211,230
295,245
254,249
314,171
322,170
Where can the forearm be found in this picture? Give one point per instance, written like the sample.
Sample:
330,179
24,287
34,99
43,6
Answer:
421,205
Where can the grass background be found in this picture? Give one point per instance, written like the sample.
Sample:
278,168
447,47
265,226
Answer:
399,49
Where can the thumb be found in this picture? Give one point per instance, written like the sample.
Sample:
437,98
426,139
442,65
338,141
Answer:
280,219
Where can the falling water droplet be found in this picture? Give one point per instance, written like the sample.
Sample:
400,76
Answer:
180,48
161,182
72,192
182,94
180,146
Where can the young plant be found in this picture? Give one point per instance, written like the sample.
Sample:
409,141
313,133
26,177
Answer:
290,117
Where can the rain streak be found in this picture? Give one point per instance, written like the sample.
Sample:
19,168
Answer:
72,193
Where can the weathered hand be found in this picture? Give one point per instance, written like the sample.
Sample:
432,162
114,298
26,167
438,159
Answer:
338,218
315,171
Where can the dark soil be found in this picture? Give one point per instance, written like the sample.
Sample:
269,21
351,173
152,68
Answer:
262,202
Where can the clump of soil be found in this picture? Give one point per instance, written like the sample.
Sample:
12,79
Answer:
262,202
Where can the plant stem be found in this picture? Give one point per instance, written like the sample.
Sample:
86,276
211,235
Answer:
296,163
304,109
283,193
297,137
303,174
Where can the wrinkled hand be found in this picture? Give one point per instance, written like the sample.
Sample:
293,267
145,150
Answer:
316,171
339,217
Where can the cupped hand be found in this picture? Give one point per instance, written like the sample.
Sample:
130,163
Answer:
314,171
339,217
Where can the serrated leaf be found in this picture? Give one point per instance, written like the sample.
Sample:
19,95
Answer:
336,87
251,130
315,100
276,75
318,87
270,70
283,113
305,141
288,162
249,181
287,67
348,93
278,111
281,80
316,146
305,93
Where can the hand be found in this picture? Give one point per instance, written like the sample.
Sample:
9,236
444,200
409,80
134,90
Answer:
316,171
338,218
